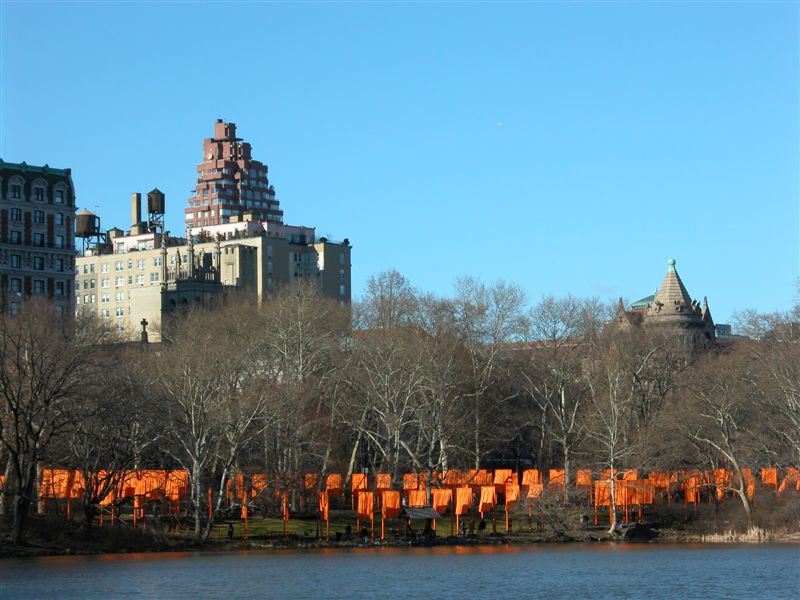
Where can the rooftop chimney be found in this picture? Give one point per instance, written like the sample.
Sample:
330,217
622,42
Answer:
136,209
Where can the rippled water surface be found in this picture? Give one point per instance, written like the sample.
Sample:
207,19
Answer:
569,571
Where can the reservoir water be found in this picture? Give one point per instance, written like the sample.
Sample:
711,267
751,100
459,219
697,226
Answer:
439,573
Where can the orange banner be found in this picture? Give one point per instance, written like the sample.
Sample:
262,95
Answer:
390,504
463,500
366,505
440,498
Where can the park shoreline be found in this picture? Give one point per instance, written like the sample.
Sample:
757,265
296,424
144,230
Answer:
177,543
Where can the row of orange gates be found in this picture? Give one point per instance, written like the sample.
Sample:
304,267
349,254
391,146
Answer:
456,491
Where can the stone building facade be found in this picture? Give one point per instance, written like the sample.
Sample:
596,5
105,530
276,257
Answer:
672,312
37,210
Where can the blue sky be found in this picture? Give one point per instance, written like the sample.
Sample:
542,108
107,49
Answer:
568,147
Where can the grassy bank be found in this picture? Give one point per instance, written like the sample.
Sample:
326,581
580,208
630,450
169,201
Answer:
55,535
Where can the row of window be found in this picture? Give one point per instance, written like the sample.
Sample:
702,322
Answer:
120,265
15,237
105,282
38,263
15,214
37,286
15,193
104,299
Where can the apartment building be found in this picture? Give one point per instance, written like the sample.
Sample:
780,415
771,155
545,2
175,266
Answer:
144,276
230,183
37,209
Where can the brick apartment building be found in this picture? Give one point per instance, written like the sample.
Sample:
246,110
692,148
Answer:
37,210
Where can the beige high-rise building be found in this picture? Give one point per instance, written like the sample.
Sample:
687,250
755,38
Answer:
132,278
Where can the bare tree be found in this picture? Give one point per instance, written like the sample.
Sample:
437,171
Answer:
778,377
301,339
719,411
111,420
45,363
385,379
489,318
618,361
552,376
389,302
216,400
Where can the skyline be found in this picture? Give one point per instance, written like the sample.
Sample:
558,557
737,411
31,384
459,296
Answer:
446,139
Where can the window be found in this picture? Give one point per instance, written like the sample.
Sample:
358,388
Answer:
120,297
341,290
85,269
16,192
140,263
119,282
91,268
130,263
105,313
16,237
104,268
60,265
16,261
59,219
38,194
38,216
38,286
59,243
78,299
120,327
92,283
120,311
85,284
140,279
130,279
157,261
105,282
118,266
59,288
14,308
341,258
154,277
16,214
15,284
86,299
59,195
105,298
38,263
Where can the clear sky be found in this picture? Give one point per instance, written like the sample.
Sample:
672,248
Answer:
569,147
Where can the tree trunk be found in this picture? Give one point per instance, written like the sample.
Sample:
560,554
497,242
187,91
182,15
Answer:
197,497
477,433
21,508
88,517
613,489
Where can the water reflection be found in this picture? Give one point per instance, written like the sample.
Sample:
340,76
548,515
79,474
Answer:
444,572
